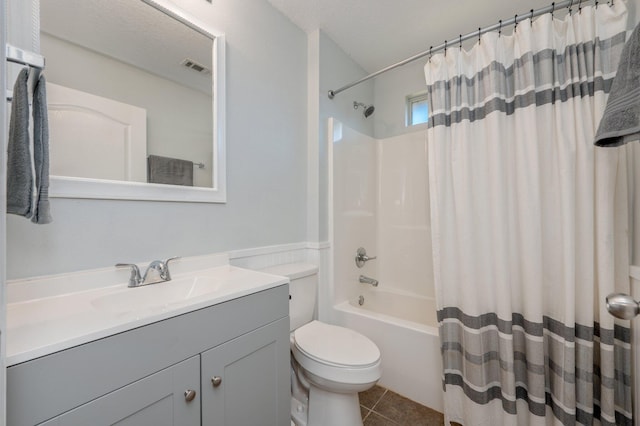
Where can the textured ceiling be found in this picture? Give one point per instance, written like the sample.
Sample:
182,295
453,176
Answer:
132,32
378,33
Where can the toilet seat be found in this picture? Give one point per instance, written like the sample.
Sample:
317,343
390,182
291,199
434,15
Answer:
336,354
336,346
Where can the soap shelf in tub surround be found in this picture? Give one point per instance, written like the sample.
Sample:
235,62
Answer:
53,313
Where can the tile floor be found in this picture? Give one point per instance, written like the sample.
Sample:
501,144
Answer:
382,407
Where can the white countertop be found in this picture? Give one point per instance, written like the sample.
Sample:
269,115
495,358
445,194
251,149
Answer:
38,326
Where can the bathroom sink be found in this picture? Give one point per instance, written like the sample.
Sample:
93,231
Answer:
152,298
51,314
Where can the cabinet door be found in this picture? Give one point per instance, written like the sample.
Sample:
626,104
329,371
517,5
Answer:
157,400
245,382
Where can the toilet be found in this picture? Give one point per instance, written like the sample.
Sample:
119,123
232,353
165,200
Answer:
329,364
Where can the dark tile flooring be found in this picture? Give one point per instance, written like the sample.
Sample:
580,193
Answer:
382,407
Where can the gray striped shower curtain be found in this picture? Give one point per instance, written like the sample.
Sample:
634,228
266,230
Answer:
529,224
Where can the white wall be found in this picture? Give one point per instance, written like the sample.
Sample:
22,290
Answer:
336,70
266,168
391,90
178,117
3,214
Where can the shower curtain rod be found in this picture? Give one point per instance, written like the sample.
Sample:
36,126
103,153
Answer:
517,18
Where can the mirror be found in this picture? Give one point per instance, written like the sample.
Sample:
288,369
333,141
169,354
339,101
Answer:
136,101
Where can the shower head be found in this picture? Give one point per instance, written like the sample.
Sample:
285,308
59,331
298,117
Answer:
622,306
368,110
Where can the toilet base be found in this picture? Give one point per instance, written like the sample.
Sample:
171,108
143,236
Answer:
331,408
299,412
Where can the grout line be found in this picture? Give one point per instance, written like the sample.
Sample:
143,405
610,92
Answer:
379,399
387,418
384,394
379,414
366,415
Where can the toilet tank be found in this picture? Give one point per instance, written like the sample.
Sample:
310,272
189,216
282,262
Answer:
303,290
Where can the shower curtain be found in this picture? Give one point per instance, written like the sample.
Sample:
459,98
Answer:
529,224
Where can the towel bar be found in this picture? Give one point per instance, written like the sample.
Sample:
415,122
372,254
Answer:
24,57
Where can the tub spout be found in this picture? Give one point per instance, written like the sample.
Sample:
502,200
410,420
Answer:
367,280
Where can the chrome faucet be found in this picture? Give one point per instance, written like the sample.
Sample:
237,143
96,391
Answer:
157,272
362,258
367,280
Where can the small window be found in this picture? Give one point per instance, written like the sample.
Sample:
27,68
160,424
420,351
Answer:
417,109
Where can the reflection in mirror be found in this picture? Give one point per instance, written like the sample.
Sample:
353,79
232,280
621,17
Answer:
130,94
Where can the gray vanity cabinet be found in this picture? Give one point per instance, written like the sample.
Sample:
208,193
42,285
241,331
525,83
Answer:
162,399
139,377
245,382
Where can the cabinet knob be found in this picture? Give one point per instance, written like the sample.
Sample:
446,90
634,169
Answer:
216,381
189,395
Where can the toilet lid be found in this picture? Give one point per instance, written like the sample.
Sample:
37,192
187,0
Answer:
336,345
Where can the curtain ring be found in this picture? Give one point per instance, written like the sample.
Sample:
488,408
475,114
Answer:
515,23
479,31
531,18
580,7
430,53
570,4
596,4
460,45
445,48
500,28
553,8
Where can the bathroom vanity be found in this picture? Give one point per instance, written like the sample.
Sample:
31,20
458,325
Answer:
214,358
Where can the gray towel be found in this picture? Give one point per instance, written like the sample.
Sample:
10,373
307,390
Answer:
41,206
170,171
19,169
622,113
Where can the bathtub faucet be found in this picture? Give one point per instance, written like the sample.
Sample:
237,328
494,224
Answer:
362,258
367,280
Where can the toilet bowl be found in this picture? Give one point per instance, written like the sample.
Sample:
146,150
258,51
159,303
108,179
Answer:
337,363
330,364
337,358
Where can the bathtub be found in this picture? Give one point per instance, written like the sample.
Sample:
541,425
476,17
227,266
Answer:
405,329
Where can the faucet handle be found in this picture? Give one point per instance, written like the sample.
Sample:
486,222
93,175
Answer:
362,258
167,275
135,278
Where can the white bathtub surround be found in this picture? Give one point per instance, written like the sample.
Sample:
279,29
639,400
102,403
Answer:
530,225
353,198
405,308
379,200
403,226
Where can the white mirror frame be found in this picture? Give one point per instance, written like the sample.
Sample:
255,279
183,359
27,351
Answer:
72,187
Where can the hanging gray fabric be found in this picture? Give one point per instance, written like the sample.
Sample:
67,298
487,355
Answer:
170,171
19,165
621,120
41,205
